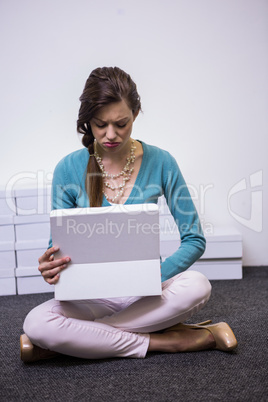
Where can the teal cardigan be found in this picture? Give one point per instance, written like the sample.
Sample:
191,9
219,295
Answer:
159,175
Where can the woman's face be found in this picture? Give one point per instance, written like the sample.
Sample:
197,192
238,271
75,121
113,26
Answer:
112,127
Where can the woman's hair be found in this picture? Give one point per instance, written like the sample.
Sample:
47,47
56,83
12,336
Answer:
105,85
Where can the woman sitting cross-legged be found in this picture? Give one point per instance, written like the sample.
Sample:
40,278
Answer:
114,168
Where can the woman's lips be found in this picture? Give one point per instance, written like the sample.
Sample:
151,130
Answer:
111,144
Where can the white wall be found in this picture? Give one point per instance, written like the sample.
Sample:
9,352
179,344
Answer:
202,71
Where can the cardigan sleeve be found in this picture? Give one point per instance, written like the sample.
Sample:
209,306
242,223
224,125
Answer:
182,208
63,192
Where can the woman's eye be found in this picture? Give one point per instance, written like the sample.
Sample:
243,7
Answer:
121,125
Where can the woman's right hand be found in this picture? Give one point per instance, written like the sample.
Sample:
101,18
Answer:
51,268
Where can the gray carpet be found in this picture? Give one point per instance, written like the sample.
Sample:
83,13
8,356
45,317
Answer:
203,376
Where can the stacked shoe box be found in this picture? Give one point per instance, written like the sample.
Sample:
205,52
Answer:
7,245
222,258
32,230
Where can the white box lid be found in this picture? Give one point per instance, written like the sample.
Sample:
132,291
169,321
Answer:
7,219
32,192
31,244
7,246
7,273
36,218
27,271
3,193
224,233
224,262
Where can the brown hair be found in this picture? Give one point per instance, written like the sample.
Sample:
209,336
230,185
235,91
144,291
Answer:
104,85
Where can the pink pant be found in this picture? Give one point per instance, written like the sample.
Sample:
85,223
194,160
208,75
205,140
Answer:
119,327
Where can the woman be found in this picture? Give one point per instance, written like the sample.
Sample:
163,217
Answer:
114,168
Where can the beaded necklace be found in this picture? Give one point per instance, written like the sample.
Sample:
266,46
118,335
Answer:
125,174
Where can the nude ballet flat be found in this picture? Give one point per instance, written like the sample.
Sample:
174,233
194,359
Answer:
31,353
222,333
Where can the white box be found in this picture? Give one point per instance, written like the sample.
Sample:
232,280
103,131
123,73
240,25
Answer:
7,255
28,258
33,201
30,280
31,219
23,192
33,284
7,206
32,227
27,271
219,270
7,259
120,280
225,242
28,252
6,219
7,272
7,233
7,230
222,258
32,231
7,203
110,248
7,286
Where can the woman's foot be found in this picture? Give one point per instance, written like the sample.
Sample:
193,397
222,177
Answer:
31,353
191,338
